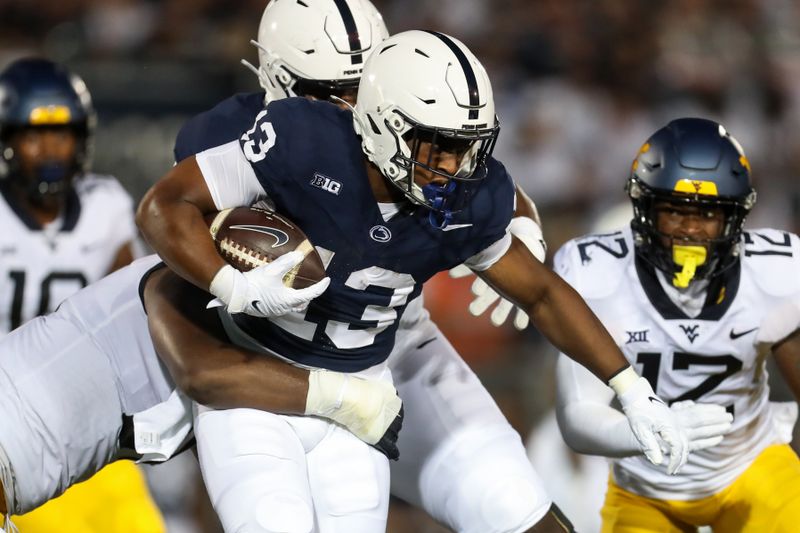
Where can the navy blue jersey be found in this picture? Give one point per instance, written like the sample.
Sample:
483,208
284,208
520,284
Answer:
308,159
222,124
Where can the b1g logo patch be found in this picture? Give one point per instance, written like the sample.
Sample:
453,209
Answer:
326,184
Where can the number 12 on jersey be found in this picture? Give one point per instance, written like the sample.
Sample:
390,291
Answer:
683,361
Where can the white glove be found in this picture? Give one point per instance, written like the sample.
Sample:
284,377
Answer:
370,409
652,422
527,231
705,423
260,292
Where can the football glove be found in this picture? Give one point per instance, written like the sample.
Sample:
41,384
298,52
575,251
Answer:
652,422
705,424
527,231
370,409
260,292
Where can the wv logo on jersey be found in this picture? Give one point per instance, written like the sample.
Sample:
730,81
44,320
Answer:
691,332
326,184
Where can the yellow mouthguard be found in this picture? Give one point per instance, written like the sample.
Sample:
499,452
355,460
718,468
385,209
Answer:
688,257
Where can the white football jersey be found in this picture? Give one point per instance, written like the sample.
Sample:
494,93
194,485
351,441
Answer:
40,268
717,357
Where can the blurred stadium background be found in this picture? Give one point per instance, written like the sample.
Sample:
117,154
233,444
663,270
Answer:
579,84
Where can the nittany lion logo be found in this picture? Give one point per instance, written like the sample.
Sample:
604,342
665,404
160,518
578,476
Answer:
380,233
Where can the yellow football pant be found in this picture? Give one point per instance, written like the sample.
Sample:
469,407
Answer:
764,499
115,500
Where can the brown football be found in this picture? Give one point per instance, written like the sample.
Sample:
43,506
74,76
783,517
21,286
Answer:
248,237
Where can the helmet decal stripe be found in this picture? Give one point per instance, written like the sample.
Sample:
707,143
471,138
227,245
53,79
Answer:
352,30
472,82
696,187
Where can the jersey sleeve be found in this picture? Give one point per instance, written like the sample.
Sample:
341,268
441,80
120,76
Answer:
492,209
114,199
588,422
775,258
229,176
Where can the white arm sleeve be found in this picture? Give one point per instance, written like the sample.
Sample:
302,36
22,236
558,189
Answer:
587,421
229,176
484,259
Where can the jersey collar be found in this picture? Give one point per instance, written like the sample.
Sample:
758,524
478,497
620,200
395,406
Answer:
721,293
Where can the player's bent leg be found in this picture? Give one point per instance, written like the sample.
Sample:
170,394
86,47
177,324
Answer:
460,460
766,497
50,441
553,522
350,484
482,482
115,499
254,468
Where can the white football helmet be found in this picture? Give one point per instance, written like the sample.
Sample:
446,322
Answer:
423,86
315,47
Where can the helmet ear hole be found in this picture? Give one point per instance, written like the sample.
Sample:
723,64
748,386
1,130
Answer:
396,123
284,77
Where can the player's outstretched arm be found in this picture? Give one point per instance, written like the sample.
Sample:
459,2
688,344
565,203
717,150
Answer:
568,323
787,357
191,342
590,425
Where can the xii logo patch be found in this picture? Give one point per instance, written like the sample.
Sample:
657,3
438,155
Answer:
691,332
637,336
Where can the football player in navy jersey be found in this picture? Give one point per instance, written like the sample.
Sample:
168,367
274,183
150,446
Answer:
390,194
476,448
699,303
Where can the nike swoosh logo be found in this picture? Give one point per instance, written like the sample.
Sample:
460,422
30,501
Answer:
255,305
451,227
655,400
281,237
735,335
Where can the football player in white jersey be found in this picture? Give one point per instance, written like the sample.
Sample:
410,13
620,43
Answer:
83,386
697,304
171,212
63,227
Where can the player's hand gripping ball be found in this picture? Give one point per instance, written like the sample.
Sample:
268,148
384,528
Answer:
272,267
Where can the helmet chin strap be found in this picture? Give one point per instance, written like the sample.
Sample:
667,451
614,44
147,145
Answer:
689,258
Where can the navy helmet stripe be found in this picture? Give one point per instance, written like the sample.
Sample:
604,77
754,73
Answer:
472,81
352,30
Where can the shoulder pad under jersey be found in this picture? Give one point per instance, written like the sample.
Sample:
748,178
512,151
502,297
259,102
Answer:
595,264
772,258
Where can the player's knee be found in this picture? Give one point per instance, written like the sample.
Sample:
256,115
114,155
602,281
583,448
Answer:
279,513
553,522
514,504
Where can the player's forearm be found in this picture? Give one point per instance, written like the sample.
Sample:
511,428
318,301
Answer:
568,323
596,429
247,380
177,232
170,216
